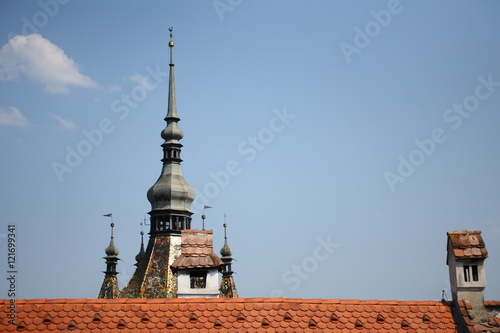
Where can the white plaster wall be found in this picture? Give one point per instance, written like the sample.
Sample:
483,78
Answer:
462,284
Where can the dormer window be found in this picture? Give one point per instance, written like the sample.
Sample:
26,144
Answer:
198,279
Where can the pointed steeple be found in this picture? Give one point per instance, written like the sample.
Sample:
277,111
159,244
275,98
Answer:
141,253
226,251
171,196
109,288
227,287
111,250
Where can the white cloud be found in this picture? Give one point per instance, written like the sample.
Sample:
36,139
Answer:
42,61
11,116
67,124
142,81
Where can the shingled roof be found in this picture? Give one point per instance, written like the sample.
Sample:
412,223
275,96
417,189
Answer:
229,315
467,244
492,324
197,250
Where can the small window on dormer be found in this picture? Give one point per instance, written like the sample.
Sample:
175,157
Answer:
475,276
198,280
467,273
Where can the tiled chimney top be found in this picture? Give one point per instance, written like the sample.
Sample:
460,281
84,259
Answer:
197,250
467,244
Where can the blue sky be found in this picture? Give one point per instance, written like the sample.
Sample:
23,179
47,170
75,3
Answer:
342,139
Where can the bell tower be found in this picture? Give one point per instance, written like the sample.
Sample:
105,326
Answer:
170,197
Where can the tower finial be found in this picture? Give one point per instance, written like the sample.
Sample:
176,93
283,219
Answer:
111,250
171,45
226,251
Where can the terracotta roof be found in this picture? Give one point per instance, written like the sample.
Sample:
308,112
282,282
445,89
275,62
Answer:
228,315
491,324
467,244
197,250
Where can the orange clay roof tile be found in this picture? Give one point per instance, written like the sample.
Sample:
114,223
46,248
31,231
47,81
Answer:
231,315
467,244
468,315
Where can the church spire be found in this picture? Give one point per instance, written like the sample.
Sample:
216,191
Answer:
109,288
171,196
170,215
227,287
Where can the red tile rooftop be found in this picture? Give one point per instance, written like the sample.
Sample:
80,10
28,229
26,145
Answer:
492,324
231,315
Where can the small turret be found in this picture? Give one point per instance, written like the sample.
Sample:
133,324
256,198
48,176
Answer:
109,288
227,287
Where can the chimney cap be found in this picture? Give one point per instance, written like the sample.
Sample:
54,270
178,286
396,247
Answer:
467,244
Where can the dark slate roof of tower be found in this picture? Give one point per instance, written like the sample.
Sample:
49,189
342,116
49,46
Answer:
112,250
226,250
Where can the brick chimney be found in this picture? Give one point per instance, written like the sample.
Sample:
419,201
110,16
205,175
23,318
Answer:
466,254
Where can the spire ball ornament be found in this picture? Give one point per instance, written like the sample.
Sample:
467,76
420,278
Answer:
171,42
